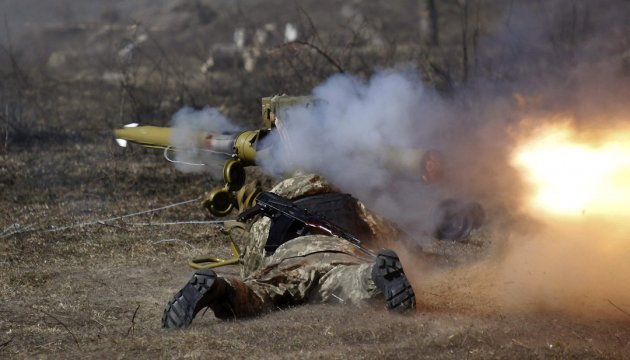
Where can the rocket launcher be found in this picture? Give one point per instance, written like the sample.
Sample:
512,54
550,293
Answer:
239,149
242,149
240,145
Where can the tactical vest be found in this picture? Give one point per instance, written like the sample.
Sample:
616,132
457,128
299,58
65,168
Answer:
340,209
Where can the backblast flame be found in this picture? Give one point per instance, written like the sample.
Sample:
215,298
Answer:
572,176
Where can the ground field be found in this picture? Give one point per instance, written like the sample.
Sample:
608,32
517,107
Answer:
100,292
100,289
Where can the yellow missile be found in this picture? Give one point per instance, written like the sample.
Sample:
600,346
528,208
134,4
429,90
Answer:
149,136
243,145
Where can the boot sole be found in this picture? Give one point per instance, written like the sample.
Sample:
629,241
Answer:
183,307
392,281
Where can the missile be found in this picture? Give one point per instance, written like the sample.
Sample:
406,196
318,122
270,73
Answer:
148,136
242,145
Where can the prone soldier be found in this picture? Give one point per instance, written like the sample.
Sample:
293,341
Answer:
287,263
306,268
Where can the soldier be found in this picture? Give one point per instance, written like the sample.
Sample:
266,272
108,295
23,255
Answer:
306,268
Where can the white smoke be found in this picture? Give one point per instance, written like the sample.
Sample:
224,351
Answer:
356,132
367,137
187,124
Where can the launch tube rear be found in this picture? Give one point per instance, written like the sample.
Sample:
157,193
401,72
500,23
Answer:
427,165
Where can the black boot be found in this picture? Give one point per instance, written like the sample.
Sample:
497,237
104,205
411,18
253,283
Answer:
204,288
389,277
228,299
455,219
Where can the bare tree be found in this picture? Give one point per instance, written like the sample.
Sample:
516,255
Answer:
464,23
429,29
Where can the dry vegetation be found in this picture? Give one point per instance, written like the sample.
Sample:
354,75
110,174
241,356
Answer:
98,290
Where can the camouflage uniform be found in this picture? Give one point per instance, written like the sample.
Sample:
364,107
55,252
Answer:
312,268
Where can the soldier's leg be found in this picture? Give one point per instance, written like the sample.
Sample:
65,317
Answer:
295,280
358,283
330,276
347,284
304,270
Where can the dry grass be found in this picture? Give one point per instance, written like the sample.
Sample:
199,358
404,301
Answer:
99,290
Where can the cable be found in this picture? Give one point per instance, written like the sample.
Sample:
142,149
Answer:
178,223
95,222
166,149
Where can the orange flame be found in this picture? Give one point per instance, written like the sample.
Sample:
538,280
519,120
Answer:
573,175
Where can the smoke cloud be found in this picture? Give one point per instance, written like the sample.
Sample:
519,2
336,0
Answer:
571,64
365,136
187,124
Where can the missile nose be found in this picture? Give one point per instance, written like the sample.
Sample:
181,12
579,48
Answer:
123,142
149,136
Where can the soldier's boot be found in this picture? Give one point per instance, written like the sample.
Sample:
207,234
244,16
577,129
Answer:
228,299
389,277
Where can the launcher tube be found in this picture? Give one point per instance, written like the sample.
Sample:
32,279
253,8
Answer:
243,145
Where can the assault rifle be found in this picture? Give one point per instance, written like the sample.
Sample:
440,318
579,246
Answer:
274,206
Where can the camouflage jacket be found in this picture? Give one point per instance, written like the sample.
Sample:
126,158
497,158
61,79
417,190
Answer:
253,254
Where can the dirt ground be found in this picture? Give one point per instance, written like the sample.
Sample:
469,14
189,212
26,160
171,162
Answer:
74,284
99,291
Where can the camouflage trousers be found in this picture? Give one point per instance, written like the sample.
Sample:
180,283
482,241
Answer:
313,268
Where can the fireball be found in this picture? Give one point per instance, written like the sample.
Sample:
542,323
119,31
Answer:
572,174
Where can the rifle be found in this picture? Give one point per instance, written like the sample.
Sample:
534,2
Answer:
274,206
